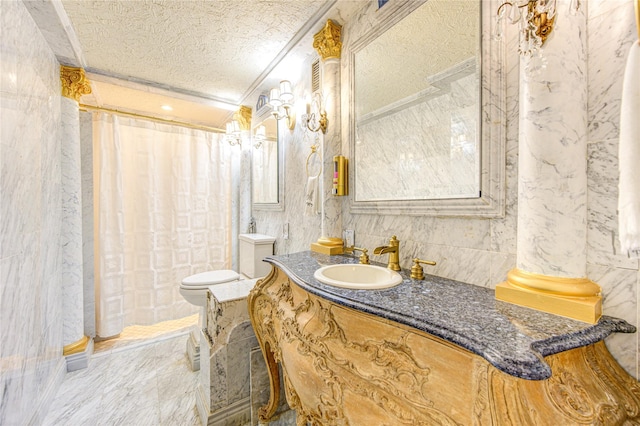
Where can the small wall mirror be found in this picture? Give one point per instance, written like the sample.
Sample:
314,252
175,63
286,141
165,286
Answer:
266,165
426,111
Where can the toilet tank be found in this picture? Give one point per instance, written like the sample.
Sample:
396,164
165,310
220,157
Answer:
254,248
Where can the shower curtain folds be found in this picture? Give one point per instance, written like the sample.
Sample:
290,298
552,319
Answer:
163,211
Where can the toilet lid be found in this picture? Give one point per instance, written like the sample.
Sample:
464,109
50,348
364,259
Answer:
210,277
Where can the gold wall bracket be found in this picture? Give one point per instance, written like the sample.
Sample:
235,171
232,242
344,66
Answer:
543,23
243,117
575,298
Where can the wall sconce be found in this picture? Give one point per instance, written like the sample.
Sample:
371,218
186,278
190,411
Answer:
535,19
316,117
259,137
282,99
232,135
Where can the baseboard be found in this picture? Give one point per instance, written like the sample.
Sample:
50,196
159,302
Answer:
193,350
80,360
238,413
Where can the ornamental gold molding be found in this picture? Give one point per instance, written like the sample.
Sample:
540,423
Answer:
243,116
341,366
576,298
74,82
76,347
327,41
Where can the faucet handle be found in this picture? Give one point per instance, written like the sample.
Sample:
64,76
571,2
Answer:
364,257
417,273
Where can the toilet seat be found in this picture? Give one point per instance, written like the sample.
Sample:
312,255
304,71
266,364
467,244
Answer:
205,279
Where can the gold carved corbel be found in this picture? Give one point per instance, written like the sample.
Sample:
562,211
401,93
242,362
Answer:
74,82
243,117
327,41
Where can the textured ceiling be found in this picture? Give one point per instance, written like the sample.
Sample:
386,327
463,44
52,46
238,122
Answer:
213,47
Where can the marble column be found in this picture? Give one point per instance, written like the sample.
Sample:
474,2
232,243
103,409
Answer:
244,119
77,346
328,45
552,181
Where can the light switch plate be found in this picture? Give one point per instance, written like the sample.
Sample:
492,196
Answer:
349,237
285,231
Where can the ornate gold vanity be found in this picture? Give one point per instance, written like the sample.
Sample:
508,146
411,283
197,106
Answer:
402,356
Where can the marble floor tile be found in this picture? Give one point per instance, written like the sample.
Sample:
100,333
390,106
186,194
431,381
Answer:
146,383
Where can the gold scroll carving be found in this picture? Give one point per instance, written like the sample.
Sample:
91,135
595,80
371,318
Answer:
346,367
74,82
243,116
327,41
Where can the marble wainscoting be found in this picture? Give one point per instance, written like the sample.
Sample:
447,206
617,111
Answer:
31,363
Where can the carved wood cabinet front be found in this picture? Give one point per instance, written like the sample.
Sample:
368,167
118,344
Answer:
345,367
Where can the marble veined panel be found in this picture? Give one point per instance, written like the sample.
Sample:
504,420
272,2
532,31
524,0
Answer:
620,289
30,218
611,34
602,234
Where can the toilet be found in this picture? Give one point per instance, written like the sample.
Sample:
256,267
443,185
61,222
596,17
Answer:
253,248
194,288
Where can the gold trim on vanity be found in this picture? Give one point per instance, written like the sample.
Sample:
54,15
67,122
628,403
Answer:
76,347
341,366
74,83
327,41
576,298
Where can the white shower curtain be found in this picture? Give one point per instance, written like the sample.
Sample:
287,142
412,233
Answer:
163,212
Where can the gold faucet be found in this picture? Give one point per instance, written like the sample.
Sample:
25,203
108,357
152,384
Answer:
394,253
417,273
364,257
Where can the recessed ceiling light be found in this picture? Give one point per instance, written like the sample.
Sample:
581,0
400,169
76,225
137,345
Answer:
167,107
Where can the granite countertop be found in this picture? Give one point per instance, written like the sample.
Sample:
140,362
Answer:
512,338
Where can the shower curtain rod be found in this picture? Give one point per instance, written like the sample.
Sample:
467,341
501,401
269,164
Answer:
84,107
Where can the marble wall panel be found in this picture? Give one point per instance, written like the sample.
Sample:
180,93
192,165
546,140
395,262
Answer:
620,289
30,220
611,31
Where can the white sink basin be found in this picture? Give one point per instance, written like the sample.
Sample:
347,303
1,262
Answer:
357,276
